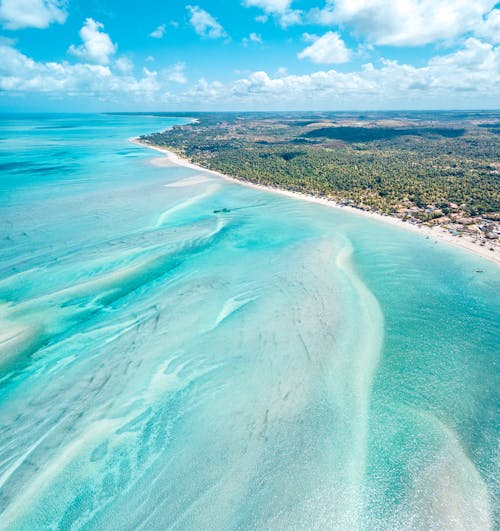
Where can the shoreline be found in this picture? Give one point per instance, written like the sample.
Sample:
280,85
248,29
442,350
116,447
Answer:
438,233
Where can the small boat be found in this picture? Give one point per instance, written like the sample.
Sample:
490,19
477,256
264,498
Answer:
479,271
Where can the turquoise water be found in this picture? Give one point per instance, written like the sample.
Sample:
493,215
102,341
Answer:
283,365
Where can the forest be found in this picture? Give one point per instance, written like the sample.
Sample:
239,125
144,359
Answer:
427,166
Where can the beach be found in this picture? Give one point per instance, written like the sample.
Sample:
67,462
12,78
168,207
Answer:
489,251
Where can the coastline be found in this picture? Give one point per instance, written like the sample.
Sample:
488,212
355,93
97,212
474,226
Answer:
438,233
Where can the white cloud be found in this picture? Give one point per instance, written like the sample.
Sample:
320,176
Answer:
468,77
328,49
404,22
204,23
21,74
208,91
475,66
158,32
269,6
123,64
176,73
280,9
471,74
490,27
97,46
253,37
16,14
290,18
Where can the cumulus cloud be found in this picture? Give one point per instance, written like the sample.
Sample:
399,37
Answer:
328,49
208,91
475,67
404,23
176,73
21,74
204,23
253,37
123,64
270,6
490,27
158,32
466,77
96,46
16,14
456,78
281,10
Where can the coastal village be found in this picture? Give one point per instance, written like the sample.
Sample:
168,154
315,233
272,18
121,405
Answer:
481,230
484,231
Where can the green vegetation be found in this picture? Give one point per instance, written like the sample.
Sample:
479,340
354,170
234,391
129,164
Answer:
423,166
367,134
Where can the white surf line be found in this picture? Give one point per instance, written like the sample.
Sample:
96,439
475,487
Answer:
367,350
185,204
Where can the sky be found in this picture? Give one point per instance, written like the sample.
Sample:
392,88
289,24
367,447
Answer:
201,55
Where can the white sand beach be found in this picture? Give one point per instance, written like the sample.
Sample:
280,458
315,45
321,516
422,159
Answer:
490,251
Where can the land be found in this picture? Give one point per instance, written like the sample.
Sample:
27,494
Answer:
438,171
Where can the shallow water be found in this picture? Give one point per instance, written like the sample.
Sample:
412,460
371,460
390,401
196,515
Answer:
280,365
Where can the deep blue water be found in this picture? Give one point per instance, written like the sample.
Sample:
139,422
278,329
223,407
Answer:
283,365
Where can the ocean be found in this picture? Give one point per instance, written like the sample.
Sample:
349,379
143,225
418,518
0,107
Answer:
180,351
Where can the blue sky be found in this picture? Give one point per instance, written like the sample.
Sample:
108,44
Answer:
248,54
